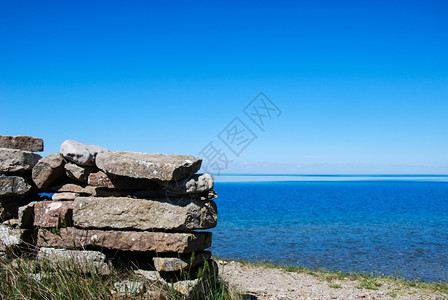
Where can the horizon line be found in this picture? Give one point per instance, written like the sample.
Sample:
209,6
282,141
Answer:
329,175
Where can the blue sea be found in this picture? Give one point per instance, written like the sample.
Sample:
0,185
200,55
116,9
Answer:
394,225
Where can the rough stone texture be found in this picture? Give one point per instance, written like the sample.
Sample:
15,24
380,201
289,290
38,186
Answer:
53,214
152,276
86,190
143,214
79,173
185,287
101,179
150,166
12,237
129,287
86,261
11,186
197,183
14,161
73,188
79,153
48,171
125,240
26,215
8,237
65,196
172,264
21,142
9,207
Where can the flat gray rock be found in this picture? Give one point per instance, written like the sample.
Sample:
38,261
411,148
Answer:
173,264
65,196
22,142
14,161
142,214
87,261
101,179
152,276
150,166
11,186
73,188
79,153
197,183
83,189
79,173
141,241
48,171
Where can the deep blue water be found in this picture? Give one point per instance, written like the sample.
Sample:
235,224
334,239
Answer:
383,227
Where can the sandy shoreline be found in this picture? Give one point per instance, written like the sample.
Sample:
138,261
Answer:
261,282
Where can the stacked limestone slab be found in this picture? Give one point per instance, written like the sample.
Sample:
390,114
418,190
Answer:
151,205
17,159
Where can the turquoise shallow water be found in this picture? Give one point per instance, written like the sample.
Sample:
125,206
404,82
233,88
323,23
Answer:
392,227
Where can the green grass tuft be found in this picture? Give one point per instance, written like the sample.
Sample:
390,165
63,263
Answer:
30,279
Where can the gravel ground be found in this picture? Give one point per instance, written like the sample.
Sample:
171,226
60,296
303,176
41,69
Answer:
261,282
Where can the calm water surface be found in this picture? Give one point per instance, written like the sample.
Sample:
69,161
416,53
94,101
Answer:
387,227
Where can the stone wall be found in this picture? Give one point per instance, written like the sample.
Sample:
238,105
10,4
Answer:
148,210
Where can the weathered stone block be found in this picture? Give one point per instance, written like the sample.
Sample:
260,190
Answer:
152,276
65,196
14,161
125,240
142,214
150,166
79,173
73,188
101,179
21,142
173,264
48,171
53,214
79,153
197,183
13,186
86,261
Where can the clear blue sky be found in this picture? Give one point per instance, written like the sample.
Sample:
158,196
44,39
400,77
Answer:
362,85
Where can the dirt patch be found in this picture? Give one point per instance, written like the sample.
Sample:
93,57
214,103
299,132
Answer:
259,282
